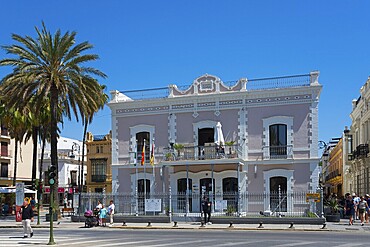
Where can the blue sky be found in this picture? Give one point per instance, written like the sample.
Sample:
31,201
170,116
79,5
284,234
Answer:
144,44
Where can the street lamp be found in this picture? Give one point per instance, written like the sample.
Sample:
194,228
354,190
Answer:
76,148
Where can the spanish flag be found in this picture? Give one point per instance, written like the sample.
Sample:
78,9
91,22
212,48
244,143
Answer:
143,155
152,156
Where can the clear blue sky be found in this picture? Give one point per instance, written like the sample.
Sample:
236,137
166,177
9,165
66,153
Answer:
145,44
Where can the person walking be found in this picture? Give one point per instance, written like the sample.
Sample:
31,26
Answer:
362,207
27,218
206,206
102,216
350,208
111,209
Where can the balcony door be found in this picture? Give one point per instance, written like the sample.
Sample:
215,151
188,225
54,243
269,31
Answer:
278,140
141,138
206,136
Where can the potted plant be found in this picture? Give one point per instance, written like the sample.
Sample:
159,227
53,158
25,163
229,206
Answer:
333,215
229,144
169,157
178,147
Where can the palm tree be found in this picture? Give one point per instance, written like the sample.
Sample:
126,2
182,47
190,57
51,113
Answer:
16,125
53,67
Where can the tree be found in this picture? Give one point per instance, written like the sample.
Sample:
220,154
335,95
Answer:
52,67
16,125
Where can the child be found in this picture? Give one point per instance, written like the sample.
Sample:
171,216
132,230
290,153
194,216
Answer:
102,215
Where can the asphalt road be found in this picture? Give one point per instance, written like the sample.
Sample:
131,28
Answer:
125,237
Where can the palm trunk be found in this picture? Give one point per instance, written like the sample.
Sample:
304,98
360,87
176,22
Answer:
54,141
39,194
54,159
35,132
15,161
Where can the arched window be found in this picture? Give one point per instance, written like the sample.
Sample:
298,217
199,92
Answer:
278,140
278,194
181,197
230,193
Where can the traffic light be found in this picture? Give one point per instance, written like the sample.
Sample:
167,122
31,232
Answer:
52,174
33,186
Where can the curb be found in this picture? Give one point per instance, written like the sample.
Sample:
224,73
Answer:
222,229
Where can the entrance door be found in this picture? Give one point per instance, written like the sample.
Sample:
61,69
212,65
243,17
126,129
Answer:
141,193
181,195
206,189
278,198
230,193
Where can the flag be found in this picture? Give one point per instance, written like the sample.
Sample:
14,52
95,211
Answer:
152,155
143,155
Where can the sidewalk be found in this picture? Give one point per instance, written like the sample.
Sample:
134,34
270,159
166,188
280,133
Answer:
9,222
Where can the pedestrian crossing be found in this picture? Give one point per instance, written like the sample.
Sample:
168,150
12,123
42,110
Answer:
113,238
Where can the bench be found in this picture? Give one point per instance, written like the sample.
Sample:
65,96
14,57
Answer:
68,211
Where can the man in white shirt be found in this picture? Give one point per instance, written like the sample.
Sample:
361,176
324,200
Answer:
111,212
356,201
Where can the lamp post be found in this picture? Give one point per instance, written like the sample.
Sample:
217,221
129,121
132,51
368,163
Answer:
76,148
325,157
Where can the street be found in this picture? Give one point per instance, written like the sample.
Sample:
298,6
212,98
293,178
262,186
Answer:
214,238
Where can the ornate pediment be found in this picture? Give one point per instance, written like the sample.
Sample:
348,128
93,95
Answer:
208,84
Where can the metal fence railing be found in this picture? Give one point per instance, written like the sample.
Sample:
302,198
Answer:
223,204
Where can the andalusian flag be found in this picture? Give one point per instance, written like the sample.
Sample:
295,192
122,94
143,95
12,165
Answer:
152,155
143,155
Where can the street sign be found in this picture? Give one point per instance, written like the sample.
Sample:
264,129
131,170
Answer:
153,205
19,194
19,198
313,196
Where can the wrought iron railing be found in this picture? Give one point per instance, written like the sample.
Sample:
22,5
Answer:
278,152
202,152
360,152
253,84
184,204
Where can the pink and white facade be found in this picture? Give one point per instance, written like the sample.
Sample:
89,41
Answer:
270,128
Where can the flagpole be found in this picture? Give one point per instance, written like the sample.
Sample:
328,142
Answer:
152,162
136,192
144,177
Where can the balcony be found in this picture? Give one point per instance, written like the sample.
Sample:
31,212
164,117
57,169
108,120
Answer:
5,154
361,152
207,152
333,176
277,152
98,178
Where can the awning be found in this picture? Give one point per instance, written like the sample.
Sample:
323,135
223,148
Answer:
9,190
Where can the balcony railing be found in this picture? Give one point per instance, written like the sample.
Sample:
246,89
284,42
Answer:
98,178
361,152
278,152
332,175
201,153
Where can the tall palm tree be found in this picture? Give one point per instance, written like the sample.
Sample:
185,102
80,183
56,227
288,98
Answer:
53,67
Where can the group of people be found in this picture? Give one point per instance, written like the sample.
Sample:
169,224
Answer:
357,208
102,212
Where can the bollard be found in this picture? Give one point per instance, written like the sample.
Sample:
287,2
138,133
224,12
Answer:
175,224
231,224
291,225
124,223
323,226
260,226
149,224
